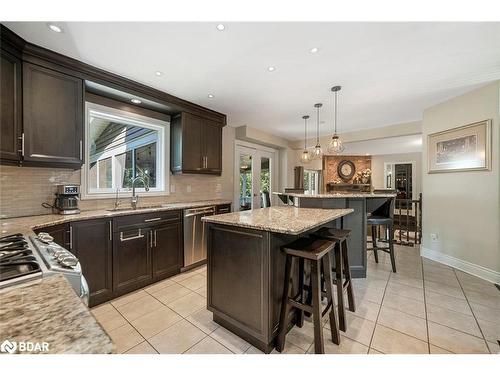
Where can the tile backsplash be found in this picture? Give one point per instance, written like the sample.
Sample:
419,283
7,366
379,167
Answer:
24,189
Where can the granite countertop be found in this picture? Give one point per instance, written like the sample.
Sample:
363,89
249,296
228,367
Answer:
48,310
339,195
280,219
26,224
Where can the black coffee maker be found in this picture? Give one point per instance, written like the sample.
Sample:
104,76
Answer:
67,197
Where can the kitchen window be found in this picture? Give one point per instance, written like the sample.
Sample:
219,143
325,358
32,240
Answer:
121,146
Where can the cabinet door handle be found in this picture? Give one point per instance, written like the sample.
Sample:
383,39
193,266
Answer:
123,239
70,237
110,231
150,238
155,237
21,138
154,219
81,149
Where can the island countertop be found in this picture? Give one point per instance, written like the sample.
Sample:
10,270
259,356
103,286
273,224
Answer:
280,219
48,310
338,195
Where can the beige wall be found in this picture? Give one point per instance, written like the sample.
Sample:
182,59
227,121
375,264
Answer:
462,208
23,189
378,161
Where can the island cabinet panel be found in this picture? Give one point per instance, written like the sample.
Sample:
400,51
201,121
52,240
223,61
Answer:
11,108
90,241
52,117
132,260
196,145
167,250
245,281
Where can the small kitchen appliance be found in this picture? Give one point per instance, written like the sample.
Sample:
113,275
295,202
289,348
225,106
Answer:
67,197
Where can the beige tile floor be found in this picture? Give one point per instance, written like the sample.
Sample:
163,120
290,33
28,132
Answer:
425,307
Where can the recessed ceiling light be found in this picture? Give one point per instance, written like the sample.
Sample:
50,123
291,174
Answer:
54,28
210,96
135,101
271,68
220,27
314,50
158,73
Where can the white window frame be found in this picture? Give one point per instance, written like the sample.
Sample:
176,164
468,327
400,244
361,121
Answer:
162,154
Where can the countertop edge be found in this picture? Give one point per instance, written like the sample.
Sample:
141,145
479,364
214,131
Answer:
211,220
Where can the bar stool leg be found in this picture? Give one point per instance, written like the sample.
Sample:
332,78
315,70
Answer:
391,247
327,272
374,242
283,325
347,273
339,281
300,313
319,347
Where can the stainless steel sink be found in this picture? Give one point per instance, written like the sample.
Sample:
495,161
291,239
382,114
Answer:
118,209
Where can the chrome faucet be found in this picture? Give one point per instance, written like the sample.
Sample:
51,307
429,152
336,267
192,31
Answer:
135,198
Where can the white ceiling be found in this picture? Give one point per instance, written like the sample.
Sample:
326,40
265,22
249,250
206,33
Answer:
389,72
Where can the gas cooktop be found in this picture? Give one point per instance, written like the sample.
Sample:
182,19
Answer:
17,261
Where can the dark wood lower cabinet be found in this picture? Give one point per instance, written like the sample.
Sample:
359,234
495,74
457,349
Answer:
122,254
60,233
132,261
167,250
92,245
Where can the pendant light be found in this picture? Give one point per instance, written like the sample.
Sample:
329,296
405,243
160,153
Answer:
306,155
317,152
335,146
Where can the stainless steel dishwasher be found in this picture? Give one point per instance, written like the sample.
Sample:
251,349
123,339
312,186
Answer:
194,234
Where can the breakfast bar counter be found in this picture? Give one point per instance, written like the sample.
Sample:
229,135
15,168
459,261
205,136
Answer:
246,266
361,203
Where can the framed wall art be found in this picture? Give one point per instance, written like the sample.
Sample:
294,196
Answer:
466,148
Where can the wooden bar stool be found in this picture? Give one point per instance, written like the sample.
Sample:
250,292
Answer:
317,252
342,270
384,215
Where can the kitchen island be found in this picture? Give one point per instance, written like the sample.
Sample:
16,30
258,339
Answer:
361,203
246,266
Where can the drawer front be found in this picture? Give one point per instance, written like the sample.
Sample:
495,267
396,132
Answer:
223,209
133,221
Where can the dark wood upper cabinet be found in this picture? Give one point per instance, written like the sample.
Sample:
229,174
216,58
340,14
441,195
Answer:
167,250
52,117
10,107
196,145
212,146
92,245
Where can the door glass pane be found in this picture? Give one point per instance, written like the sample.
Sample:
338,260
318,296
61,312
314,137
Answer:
265,176
245,163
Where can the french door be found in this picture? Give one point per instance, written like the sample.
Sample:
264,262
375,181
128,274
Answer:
254,172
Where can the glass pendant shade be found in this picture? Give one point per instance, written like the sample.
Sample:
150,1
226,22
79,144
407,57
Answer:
306,155
317,153
335,146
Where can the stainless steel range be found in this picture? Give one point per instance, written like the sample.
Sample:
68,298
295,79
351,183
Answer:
56,259
22,261
18,263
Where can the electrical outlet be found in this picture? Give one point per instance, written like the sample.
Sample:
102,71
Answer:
188,188
434,237
172,188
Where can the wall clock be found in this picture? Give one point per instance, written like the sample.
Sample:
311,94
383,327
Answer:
346,170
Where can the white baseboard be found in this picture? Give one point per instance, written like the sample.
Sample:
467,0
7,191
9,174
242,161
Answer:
479,271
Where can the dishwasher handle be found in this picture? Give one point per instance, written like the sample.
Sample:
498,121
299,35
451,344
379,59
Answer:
200,211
